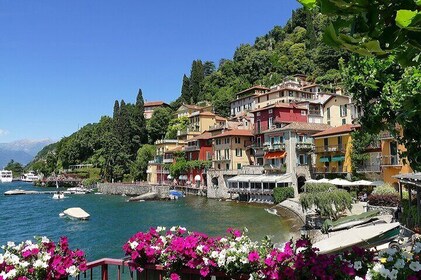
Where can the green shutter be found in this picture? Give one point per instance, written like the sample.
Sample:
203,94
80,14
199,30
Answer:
324,159
338,158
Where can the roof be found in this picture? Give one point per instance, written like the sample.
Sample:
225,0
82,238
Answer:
219,118
301,126
176,149
203,136
337,130
284,178
311,85
280,105
235,132
335,95
155,104
250,89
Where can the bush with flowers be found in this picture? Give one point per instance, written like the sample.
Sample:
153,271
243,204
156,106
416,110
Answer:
40,260
235,255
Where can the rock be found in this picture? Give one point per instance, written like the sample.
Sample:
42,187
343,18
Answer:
146,196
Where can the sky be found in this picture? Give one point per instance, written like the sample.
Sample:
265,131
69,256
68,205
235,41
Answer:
64,63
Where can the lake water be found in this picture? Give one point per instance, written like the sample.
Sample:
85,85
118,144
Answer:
113,220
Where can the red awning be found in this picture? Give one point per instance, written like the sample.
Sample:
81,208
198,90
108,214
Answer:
272,155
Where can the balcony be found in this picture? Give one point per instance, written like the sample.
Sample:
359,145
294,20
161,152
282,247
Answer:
314,112
191,148
168,160
304,146
330,148
182,132
385,135
369,168
390,160
274,147
222,158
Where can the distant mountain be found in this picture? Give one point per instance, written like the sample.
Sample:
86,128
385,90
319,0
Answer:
22,151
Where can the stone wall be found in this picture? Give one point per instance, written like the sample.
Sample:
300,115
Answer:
383,209
132,189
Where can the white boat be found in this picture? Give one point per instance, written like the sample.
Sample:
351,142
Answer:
365,237
78,190
76,213
29,177
58,196
6,176
272,211
15,192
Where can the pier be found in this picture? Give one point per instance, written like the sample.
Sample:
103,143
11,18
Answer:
21,192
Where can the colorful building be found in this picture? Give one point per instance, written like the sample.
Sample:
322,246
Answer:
151,106
333,149
245,100
391,162
337,110
199,122
156,171
198,148
230,149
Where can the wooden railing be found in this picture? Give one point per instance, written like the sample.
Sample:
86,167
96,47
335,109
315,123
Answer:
107,269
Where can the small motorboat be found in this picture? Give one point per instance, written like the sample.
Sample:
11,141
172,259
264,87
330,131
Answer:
58,196
76,213
364,237
272,211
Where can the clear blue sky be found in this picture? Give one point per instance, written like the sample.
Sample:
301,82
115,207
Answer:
63,63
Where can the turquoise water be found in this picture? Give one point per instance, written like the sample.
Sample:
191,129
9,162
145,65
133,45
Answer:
113,220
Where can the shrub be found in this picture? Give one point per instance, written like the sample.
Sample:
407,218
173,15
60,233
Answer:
387,200
282,193
385,189
318,187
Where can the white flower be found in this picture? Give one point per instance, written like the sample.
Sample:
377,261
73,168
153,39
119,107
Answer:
244,260
407,255
182,228
133,244
214,254
384,272
159,229
1,259
229,260
415,266
14,259
44,239
45,257
40,264
358,278
377,267
3,275
11,274
223,240
391,251
11,244
24,264
390,259
358,265
72,270
205,261
400,263
417,247
200,248
393,274
173,228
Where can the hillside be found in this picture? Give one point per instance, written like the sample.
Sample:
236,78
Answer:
117,145
22,151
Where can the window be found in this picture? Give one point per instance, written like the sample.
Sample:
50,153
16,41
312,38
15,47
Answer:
258,114
301,138
238,152
227,140
340,166
267,97
326,144
219,166
237,140
270,123
339,143
291,94
270,111
227,153
343,121
227,166
302,159
303,113
343,109
328,113
258,126
258,141
238,165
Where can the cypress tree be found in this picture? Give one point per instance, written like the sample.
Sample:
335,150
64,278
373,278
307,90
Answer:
196,78
116,116
140,110
185,90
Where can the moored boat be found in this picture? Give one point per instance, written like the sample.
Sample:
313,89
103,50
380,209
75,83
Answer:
76,213
58,196
365,237
29,177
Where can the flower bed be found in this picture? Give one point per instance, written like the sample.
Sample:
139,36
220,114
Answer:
239,257
41,260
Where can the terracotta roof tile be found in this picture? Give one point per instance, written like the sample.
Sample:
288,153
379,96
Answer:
204,135
235,132
155,103
337,130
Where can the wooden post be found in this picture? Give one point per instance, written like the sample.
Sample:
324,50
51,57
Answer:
104,272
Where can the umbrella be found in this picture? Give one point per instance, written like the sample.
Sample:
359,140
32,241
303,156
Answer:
312,181
362,183
341,182
323,180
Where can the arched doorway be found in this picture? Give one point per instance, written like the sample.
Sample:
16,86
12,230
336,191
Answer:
301,180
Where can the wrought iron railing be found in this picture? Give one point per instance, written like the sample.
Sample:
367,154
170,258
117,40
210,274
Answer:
330,148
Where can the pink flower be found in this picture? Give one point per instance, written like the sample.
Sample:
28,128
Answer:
175,276
253,256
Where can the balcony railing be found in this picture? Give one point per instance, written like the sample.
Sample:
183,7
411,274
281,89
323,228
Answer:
330,148
304,146
391,160
274,147
191,148
107,269
222,158
168,160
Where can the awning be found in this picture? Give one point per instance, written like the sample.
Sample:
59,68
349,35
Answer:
338,158
324,159
272,155
284,178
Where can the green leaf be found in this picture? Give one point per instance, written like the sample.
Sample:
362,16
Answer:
374,47
408,19
418,2
309,4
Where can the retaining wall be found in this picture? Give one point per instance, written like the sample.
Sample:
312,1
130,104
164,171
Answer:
133,189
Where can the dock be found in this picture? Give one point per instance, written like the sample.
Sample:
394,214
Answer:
22,192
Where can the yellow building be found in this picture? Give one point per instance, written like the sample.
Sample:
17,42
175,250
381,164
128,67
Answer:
333,149
199,122
337,110
156,173
229,149
391,163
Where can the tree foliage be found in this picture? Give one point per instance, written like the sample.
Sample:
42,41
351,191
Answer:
158,124
328,200
139,167
361,139
375,27
15,167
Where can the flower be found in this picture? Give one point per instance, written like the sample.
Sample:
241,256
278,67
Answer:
415,266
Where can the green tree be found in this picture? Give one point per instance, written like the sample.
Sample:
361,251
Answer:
175,125
15,167
140,118
139,167
158,124
196,78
